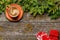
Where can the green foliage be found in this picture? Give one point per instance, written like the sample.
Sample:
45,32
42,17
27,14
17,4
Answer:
35,7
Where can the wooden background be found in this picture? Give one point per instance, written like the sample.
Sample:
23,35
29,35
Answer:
27,27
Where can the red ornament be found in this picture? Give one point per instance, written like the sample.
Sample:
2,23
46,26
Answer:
53,38
42,36
54,34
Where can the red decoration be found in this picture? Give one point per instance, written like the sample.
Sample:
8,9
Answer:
53,38
42,36
54,34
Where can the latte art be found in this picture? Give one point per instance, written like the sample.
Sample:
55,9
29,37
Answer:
14,12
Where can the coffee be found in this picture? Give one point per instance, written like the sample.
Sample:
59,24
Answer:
14,12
